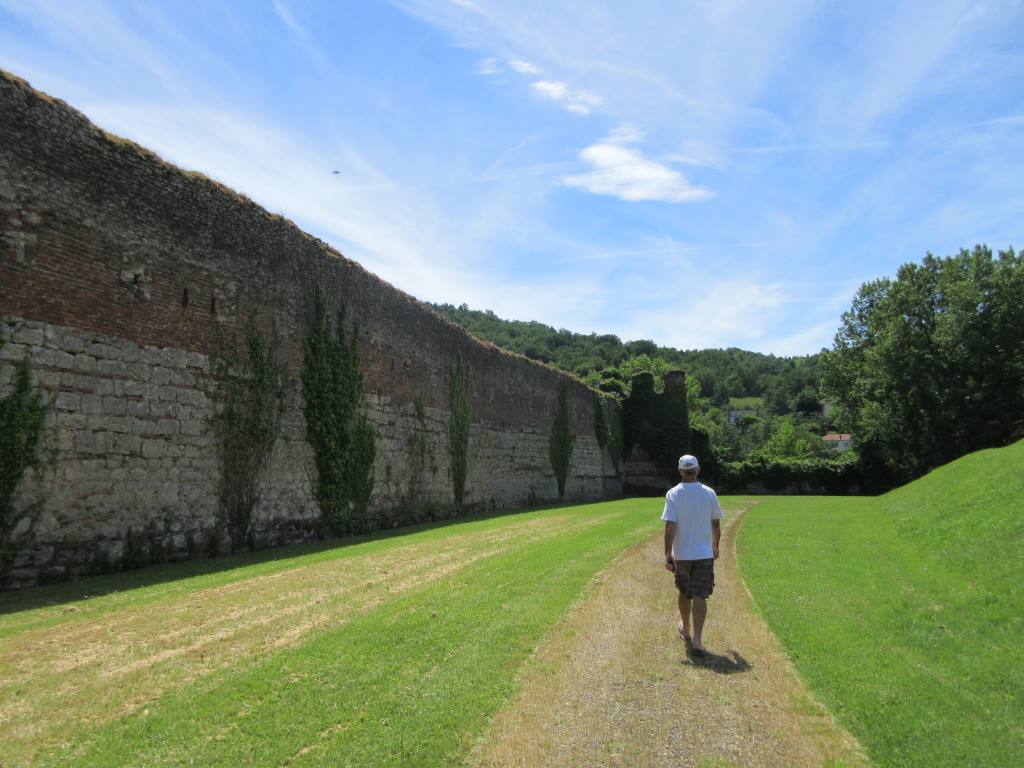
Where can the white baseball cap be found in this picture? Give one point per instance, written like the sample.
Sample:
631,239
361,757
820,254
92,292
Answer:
688,462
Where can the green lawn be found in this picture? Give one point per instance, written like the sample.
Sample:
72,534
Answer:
905,613
403,647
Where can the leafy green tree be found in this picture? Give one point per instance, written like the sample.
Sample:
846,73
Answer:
930,366
789,440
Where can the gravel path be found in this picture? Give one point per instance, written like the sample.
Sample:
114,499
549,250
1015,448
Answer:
613,685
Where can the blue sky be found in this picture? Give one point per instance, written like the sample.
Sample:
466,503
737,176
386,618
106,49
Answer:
701,174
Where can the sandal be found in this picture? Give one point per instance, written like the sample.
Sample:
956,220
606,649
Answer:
683,636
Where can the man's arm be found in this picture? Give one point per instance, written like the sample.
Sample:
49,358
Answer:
716,536
670,537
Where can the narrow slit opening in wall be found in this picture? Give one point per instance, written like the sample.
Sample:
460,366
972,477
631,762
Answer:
213,306
184,297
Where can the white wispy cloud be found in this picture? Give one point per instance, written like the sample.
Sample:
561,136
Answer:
574,100
524,67
622,171
489,66
285,14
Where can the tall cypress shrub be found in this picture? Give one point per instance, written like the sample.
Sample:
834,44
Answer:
22,417
249,390
343,440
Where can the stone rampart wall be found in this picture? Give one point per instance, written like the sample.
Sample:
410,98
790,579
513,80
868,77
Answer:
120,275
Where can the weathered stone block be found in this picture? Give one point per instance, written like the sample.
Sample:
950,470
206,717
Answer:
12,352
153,448
130,353
68,401
136,408
111,368
84,363
114,406
27,335
120,424
104,351
139,371
91,404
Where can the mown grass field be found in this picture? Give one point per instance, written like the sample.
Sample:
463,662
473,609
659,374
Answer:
905,613
392,651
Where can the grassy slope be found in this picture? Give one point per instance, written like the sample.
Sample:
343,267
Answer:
905,613
413,680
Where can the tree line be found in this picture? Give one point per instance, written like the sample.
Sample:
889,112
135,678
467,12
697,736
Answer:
925,367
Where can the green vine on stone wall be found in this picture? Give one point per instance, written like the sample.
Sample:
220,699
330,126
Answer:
458,427
343,440
561,440
601,429
22,417
616,437
249,392
419,451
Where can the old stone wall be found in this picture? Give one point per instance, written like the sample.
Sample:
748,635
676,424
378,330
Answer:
120,277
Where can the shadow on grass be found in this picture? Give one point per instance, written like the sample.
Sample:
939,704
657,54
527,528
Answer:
721,664
49,595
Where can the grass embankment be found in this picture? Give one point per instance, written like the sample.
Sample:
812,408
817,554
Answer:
905,613
386,652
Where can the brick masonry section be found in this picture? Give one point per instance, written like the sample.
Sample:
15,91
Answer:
120,275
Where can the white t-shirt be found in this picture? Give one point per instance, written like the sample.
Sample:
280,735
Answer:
692,507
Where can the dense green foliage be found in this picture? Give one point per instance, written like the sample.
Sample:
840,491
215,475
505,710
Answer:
249,393
839,475
905,612
764,387
561,440
788,384
343,440
930,366
657,423
22,417
458,427
414,680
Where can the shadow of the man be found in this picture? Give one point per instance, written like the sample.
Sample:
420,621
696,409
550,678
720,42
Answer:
716,662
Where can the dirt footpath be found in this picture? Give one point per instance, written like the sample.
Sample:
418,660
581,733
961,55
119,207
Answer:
613,685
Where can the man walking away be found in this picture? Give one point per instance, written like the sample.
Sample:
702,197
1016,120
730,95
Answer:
692,532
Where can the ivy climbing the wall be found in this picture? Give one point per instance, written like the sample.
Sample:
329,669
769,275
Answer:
601,429
458,427
22,416
561,440
343,440
616,436
418,447
249,393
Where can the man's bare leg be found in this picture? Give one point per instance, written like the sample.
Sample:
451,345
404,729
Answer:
700,612
684,614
